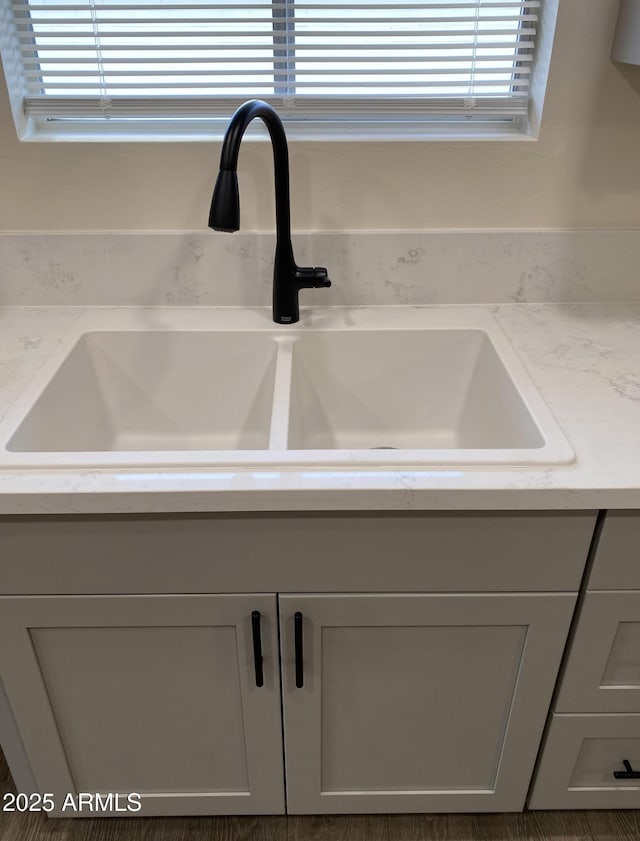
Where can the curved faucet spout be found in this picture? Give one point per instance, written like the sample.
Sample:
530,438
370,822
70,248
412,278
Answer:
231,148
288,278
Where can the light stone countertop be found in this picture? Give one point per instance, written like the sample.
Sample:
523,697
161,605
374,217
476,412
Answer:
583,358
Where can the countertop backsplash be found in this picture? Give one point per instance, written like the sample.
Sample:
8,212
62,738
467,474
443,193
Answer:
367,268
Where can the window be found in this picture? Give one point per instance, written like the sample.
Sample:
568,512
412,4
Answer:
179,68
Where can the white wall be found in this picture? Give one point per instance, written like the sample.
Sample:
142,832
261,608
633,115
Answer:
584,172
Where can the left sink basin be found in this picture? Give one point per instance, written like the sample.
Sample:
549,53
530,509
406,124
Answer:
155,391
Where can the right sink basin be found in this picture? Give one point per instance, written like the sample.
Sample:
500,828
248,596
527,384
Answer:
406,390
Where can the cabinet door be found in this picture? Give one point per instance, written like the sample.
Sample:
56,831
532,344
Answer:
155,695
417,702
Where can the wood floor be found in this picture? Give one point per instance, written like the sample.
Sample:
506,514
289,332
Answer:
531,826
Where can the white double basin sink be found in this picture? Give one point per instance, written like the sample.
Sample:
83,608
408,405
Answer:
386,388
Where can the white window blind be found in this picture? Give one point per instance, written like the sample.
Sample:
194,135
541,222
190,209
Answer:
187,64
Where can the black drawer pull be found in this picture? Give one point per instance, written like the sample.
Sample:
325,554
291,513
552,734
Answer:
257,647
628,774
297,637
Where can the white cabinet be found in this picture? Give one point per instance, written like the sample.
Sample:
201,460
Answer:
417,703
595,725
603,671
428,647
149,694
392,703
582,766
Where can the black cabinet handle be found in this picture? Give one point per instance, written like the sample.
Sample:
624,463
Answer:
257,647
628,774
297,638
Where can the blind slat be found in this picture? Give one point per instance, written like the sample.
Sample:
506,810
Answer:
95,19
302,85
319,108
108,61
146,35
383,47
82,74
29,8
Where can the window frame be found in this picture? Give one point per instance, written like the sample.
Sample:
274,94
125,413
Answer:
390,127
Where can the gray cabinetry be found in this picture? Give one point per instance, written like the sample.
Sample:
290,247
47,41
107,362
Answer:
148,694
595,725
418,703
430,648
603,671
581,754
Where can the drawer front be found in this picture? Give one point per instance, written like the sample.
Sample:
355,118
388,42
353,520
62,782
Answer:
310,552
580,756
603,668
617,562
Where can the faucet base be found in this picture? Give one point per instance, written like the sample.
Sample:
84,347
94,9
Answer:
286,286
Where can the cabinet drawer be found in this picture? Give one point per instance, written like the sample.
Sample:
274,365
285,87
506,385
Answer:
617,563
603,669
310,552
579,758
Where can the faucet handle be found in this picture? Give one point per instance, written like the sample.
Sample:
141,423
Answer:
321,277
311,277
